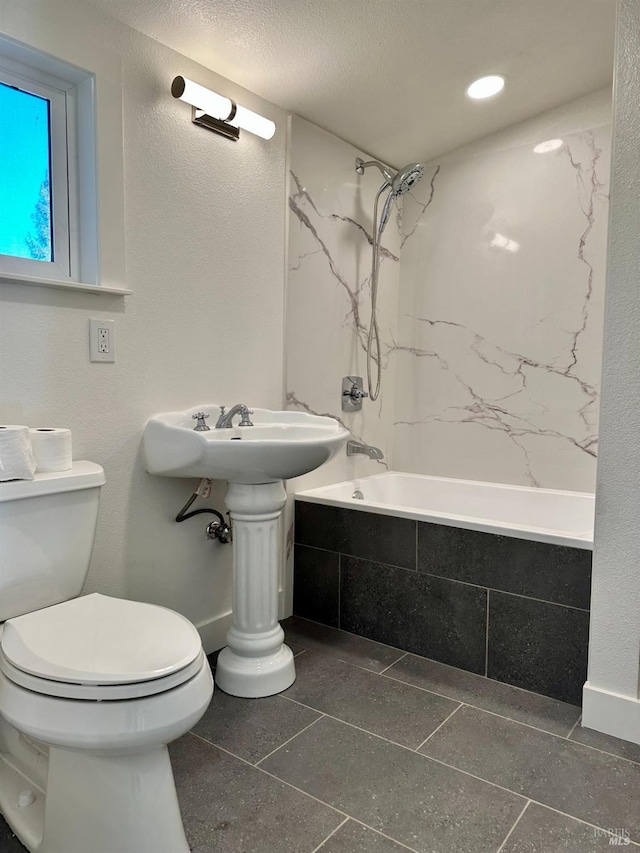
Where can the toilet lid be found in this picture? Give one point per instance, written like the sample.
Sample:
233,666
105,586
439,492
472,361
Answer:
96,639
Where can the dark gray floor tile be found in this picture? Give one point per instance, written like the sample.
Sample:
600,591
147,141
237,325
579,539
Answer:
229,806
607,743
339,644
536,569
530,708
363,534
316,585
355,838
9,843
251,728
437,618
538,646
388,708
581,782
541,830
420,803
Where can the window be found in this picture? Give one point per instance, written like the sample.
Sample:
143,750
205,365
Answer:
61,205
37,172
35,228
25,180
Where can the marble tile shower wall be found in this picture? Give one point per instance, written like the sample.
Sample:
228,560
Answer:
330,224
501,306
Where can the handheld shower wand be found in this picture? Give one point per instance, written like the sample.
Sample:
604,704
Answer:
398,184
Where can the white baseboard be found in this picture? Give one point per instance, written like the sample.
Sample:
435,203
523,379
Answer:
214,632
611,713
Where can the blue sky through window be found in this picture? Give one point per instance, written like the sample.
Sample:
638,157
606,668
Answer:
25,180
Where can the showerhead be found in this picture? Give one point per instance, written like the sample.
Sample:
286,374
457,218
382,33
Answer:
402,181
407,178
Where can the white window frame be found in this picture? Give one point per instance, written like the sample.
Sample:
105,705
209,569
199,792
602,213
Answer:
40,49
63,174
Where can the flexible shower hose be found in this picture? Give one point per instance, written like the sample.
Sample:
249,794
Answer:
374,334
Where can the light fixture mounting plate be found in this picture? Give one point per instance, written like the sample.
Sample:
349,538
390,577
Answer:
201,118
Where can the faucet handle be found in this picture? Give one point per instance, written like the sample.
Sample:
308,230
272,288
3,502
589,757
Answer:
245,421
200,417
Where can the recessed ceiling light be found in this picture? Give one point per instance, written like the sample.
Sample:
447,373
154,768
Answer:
548,145
486,87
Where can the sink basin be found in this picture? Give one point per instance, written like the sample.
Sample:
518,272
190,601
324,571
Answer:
279,446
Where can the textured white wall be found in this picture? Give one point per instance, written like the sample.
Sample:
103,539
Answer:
205,258
615,615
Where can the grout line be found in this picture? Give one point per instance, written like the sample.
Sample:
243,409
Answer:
344,722
433,692
421,755
486,653
366,826
508,835
451,766
316,548
446,720
409,749
384,674
500,591
574,727
388,837
301,652
516,722
550,734
446,578
305,794
578,820
271,775
339,590
344,631
475,707
468,705
403,655
331,834
284,743
417,562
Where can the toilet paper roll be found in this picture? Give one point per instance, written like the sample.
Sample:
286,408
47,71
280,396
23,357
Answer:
16,457
51,448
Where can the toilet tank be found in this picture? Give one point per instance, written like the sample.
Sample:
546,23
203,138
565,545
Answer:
47,528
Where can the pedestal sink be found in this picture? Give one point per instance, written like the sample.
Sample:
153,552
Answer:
254,460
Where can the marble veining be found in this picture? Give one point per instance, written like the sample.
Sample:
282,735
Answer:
490,302
328,293
499,342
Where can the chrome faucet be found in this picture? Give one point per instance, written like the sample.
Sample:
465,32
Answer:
225,421
356,447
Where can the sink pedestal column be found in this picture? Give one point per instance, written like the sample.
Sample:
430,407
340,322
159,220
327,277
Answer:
255,662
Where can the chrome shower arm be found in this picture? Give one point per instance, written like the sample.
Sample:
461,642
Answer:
361,165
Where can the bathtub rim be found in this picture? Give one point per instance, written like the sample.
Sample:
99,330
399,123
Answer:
571,539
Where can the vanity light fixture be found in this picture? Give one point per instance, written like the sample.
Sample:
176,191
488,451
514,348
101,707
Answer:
547,146
218,113
486,87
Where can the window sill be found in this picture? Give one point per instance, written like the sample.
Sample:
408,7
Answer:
6,278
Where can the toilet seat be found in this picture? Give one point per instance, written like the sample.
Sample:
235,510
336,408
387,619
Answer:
98,647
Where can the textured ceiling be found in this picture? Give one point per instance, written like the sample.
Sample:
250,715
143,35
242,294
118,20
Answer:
389,75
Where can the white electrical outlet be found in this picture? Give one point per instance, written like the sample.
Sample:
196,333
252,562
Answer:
102,340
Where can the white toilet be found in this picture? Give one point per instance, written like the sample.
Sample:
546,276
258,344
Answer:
92,689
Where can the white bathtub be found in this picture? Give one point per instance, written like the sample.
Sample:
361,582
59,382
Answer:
543,515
